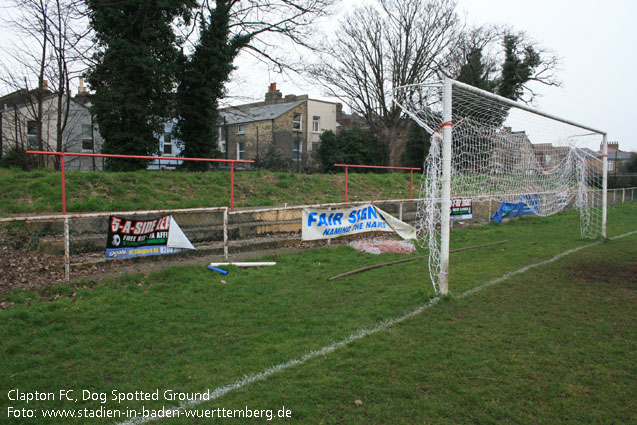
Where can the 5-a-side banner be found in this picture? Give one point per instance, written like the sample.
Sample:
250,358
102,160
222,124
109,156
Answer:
322,223
137,238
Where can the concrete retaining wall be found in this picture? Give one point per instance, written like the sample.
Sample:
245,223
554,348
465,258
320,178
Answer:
246,228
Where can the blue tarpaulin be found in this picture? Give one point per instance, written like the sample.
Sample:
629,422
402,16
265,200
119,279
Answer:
526,204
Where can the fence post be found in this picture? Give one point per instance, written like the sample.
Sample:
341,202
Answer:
232,186
63,184
411,184
67,247
225,233
346,183
329,241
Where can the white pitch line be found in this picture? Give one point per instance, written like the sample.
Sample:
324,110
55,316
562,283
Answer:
361,333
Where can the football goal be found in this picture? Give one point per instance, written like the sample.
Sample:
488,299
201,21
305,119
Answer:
484,147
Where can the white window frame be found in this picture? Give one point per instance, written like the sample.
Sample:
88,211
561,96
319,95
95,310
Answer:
316,124
296,152
221,139
32,138
297,124
87,136
170,143
241,129
241,150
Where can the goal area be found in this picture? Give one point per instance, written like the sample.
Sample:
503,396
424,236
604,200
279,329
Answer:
484,147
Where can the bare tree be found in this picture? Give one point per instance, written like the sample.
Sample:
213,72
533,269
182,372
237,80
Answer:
383,46
266,25
51,46
492,44
226,28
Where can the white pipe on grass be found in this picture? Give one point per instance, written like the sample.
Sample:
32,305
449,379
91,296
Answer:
240,264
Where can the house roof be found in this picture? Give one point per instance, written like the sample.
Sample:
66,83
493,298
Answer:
234,116
612,155
617,155
21,97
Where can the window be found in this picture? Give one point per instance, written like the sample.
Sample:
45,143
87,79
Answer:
315,146
241,150
297,122
87,137
168,144
221,139
296,150
611,165
32,134
241,129
316,124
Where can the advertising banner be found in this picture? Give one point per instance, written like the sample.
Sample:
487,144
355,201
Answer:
461,209
322,223
138,238
526,204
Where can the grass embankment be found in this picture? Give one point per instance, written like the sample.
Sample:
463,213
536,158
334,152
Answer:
553,345
40,191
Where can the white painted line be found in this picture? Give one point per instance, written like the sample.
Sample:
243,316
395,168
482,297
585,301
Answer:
249,379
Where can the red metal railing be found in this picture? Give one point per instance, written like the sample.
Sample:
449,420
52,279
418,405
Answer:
411,178
62,155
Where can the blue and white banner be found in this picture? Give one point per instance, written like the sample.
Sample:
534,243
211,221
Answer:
138,238
323,223
526,204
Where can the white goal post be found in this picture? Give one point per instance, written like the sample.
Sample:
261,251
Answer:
485,147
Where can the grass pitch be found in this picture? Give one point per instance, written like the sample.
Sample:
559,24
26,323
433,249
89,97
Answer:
555,344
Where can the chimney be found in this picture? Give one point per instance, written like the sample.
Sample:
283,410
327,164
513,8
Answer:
82,89
339,110
45,85
612,146
273,95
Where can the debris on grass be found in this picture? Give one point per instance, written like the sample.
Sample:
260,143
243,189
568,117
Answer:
382,245
216,269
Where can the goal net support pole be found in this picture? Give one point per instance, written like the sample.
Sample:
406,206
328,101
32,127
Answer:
445,204
604,184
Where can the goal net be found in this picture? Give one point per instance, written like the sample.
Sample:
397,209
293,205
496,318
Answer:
487,148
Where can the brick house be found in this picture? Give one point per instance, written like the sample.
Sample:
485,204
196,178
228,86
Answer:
292,124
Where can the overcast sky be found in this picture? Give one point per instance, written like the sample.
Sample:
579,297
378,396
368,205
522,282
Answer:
597,41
